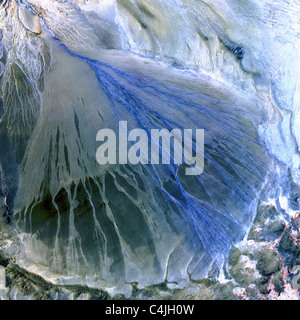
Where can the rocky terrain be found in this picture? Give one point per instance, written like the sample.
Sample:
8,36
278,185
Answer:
264,266
74,227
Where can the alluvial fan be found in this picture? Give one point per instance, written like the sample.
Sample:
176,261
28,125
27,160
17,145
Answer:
71,68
